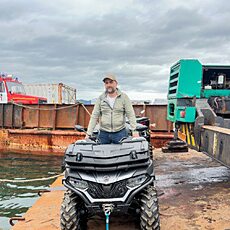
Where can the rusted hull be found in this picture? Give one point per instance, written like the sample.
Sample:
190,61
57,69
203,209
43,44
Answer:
55,117
37,142
52,142
49,128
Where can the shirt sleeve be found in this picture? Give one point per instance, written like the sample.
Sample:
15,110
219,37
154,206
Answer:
94,117
129,111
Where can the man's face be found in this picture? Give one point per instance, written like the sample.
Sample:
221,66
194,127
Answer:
110,86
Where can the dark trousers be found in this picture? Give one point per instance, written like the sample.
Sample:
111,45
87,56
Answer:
112,137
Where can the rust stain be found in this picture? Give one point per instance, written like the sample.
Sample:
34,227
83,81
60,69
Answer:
53,142
160,139
37,141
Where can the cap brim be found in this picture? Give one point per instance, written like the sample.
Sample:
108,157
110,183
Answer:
107,78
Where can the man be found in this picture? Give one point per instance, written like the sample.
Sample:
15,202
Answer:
111,109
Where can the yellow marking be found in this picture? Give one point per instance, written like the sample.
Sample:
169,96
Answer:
187,134
192,137
193,140
183,128
215,144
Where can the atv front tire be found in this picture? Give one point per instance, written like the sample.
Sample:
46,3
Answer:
71,217
149,214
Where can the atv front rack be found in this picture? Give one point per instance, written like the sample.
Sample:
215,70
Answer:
108,157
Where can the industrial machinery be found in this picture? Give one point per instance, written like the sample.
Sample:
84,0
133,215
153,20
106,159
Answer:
199,105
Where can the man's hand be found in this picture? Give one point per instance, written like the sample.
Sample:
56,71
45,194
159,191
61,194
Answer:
135,134
86,136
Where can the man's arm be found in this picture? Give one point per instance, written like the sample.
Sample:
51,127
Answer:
129,111
94,117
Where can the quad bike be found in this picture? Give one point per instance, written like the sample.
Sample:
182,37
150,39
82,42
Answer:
105,179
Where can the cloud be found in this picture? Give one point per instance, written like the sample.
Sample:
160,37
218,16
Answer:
77,42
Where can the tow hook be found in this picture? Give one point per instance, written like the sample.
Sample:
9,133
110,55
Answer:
17,218
40,192
107,208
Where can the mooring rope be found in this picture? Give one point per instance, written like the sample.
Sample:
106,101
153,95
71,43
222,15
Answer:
45,109
85,109
31,180
32,108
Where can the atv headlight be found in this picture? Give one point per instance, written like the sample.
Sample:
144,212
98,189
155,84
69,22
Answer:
78,184
136,181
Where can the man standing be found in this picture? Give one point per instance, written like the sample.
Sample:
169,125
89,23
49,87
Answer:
111,109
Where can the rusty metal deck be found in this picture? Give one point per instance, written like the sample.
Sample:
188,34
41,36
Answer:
194,193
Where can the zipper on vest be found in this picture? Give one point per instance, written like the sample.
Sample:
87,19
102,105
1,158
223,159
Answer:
112,121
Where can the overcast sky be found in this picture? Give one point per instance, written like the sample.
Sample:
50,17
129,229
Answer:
78,41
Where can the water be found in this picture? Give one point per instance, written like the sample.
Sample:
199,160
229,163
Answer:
15,199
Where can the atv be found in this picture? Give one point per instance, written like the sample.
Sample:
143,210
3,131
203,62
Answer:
102,179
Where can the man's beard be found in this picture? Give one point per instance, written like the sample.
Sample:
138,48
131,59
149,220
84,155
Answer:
110,90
